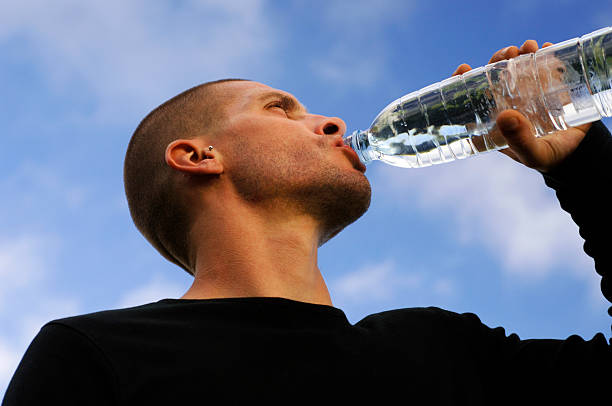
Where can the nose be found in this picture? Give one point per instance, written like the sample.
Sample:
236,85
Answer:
330,126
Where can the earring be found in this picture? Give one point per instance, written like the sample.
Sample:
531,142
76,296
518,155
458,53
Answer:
210,148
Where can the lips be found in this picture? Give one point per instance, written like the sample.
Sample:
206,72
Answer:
354,158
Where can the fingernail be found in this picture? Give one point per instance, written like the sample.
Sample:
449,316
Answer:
510,124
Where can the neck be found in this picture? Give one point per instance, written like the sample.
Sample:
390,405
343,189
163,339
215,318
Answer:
242,251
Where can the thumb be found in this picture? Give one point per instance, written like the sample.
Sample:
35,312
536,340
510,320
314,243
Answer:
519,135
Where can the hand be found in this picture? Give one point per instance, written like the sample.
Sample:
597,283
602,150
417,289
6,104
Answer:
541,153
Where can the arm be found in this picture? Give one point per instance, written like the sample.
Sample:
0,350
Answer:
538,371
574,370
581,184
61,367
577,164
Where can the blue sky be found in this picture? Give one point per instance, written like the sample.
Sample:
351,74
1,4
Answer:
482,235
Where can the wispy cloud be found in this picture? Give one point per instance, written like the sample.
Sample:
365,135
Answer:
499,204
127,52
26,304
383,282
342,68
9,359
28,259
48,307
155,289
30,182
358,52
23,263
444,287
24,324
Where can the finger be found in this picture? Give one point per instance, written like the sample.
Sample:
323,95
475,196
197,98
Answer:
498,56
546,44
519,135
461,69
505,53
511,52
528,47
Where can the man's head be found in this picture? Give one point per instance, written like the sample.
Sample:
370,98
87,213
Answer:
275,155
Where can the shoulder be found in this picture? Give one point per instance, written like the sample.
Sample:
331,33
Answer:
59,355
111,316
433,319
101,325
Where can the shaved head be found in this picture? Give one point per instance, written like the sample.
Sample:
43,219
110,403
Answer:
275,163
157,207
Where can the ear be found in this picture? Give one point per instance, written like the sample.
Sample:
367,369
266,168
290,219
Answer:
191,157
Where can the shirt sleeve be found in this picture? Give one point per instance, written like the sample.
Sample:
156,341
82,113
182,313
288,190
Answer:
62,367
574,370
582,185
538,371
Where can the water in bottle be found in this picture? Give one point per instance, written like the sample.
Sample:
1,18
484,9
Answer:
557,87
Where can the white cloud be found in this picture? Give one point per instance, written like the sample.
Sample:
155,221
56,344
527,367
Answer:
48,307
30,182
342,67
156,289
383,282
15,341
26,304
23,263
444,287
9,359
358,52
362,16
128,52
498,203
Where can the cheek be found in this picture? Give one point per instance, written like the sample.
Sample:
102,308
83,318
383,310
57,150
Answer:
281,145
274,149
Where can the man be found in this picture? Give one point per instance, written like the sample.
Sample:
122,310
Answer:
239,185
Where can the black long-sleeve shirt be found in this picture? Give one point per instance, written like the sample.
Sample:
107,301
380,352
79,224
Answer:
273,349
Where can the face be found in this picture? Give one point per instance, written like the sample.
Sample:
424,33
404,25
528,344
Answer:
280,156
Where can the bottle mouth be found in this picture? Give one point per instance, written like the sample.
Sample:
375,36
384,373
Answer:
357,142
348,139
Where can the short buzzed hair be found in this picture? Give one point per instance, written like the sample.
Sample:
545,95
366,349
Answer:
157,208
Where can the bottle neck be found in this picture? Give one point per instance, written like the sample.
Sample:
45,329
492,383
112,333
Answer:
360,143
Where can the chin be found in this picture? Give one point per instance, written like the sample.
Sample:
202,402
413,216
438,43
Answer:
345,203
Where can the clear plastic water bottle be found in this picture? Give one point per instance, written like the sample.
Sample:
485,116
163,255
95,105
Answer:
560,86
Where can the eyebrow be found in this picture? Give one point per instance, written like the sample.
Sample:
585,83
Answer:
288,102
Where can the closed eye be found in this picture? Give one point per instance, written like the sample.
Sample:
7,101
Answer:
275,104
285,102
280,105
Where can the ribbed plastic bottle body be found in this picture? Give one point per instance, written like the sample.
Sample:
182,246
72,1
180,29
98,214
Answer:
560,86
